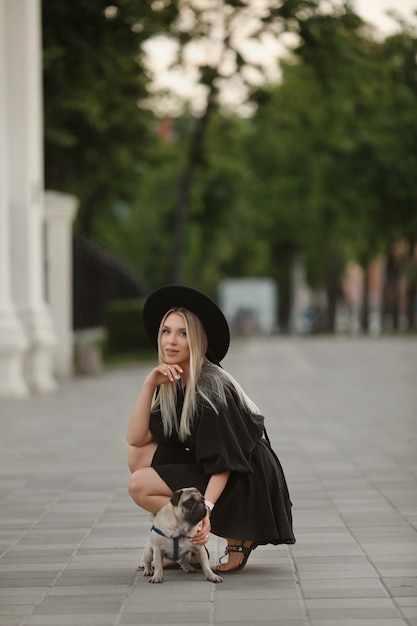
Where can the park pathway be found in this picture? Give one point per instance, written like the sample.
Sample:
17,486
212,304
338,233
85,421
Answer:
342,416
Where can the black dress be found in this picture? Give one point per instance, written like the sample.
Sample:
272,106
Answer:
255,503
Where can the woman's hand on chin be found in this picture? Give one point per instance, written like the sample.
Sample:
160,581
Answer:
164,373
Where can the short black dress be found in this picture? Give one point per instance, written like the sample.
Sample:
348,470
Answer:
255,503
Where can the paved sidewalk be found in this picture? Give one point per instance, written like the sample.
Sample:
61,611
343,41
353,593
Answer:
342,417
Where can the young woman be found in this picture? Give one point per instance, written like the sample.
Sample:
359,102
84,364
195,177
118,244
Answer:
193,425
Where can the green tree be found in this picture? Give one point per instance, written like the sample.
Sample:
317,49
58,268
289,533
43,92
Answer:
96,136
335,135
221,220
221,22
143,234
397,161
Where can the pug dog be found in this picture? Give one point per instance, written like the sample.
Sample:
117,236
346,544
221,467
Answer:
172,527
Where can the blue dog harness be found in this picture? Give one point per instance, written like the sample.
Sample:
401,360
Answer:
174,539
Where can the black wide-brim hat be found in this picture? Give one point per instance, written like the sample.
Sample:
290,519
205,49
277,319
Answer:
210,315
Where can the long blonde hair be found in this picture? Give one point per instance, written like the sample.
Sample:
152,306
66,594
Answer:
205,380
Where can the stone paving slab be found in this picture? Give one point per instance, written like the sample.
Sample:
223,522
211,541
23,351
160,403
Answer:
342,416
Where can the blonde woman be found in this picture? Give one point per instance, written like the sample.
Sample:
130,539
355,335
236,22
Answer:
193,425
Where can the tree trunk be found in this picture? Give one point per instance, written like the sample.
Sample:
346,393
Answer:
411,307
391,291
333,293
194,159
365,300
332,297
333,290
411,286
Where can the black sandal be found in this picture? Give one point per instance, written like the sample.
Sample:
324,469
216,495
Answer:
245,550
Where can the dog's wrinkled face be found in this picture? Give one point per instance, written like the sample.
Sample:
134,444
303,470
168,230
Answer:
190,505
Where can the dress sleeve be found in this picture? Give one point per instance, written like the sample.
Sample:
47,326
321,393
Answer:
225,439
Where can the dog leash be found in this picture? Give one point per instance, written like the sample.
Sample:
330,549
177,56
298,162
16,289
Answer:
174,539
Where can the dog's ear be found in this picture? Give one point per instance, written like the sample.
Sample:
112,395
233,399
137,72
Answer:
175,498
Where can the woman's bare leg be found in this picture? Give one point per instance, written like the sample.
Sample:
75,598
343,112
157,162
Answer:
146,487
148,490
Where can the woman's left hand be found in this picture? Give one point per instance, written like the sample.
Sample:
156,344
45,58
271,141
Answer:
201,537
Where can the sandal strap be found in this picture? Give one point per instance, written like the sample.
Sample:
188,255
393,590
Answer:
243,549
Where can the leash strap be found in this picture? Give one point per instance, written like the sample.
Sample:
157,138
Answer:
174,539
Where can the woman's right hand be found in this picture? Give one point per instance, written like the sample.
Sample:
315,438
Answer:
138,433
164,373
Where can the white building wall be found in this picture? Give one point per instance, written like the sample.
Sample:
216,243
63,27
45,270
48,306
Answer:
60,210
249,304
12,339
29,353
25,155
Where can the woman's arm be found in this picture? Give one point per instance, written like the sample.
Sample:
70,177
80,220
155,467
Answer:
215,486
214,490
138,433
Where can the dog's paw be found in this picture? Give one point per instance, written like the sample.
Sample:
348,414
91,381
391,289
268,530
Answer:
213,578
147,571
157,579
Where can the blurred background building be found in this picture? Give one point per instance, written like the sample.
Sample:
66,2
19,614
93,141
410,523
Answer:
35,228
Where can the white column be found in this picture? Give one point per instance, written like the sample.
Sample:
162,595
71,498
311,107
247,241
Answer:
60,210
24,89
12,340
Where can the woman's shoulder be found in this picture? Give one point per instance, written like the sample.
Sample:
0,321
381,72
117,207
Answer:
221,389
214,373
215,388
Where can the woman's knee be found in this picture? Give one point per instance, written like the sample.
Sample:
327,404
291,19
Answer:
137,486
145,485
139,458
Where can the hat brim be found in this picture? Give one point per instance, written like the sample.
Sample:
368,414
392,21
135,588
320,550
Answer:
210,315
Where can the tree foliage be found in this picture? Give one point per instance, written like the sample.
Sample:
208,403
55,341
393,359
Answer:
323,168
219,23
96,136
344,140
